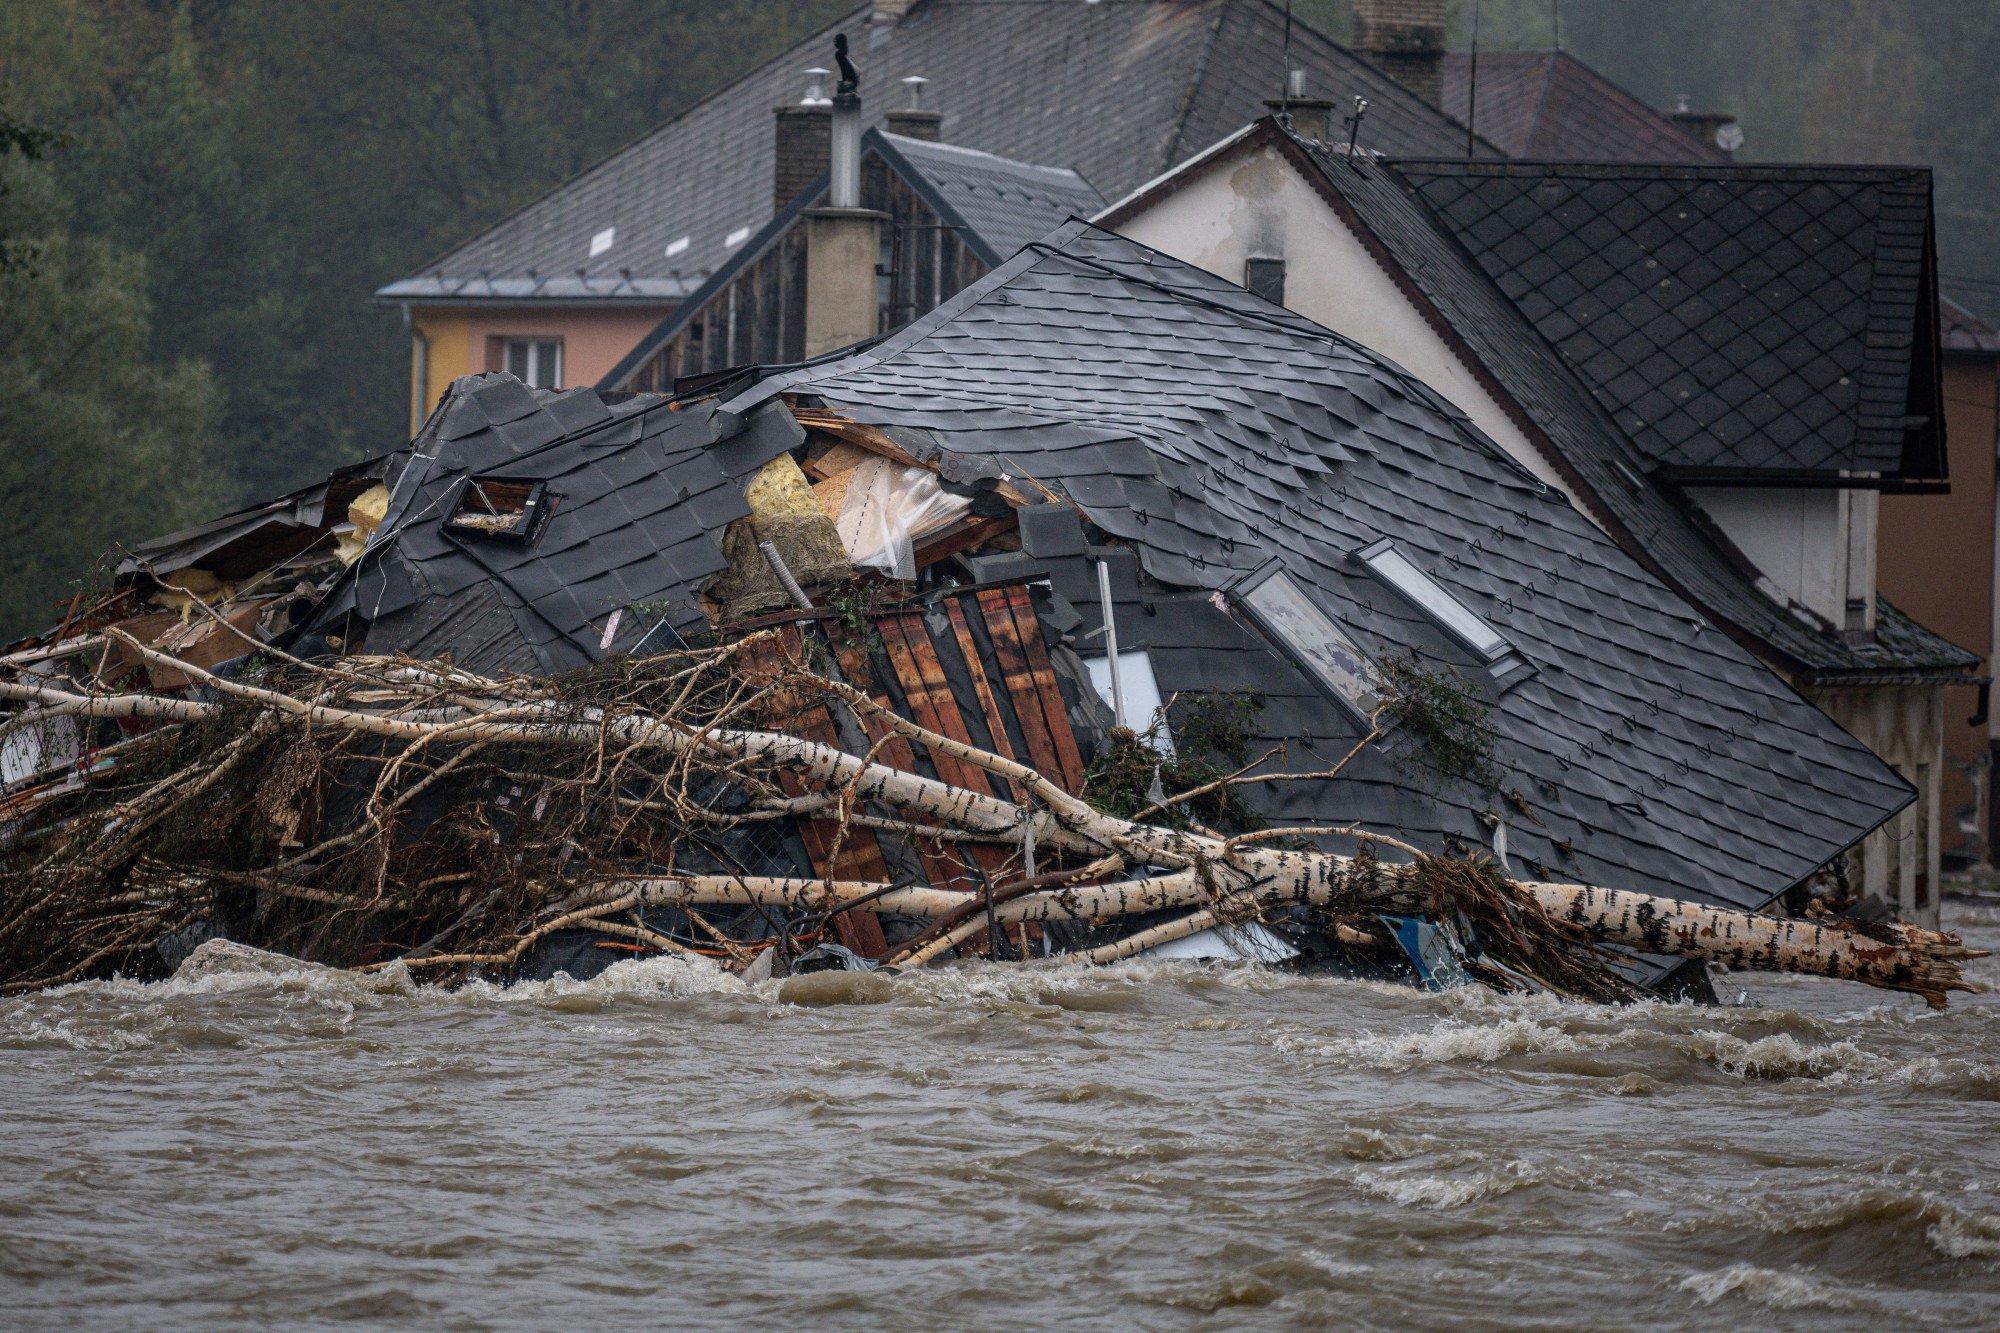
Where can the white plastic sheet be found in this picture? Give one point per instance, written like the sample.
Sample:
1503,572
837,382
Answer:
888,506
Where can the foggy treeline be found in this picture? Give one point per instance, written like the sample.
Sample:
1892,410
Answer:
240,175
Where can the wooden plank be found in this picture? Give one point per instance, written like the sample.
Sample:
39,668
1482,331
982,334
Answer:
897,632
897,753
996,725
1067,755
860,857
1021,687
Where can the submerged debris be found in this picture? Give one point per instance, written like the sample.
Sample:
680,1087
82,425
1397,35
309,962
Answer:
372,810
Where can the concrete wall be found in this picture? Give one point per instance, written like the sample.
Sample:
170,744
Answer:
594,339
1937,563
1257,206
1899,862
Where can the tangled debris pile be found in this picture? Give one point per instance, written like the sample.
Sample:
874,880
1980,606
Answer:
378,808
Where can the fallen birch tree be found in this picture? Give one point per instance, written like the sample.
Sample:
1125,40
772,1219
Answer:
621,768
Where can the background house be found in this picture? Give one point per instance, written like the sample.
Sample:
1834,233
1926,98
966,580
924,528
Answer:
1118,92
1532,297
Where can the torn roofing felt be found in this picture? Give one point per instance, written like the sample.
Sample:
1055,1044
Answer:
637,496
1388,211
1212,431
1736,321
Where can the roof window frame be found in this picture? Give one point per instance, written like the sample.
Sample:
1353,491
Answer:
1280,607
1390,565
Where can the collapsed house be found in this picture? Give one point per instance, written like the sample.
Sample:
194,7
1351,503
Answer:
1036,541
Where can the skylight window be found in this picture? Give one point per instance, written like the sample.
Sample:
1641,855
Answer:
678,247
1282,609
1503,661
602,241
1454,617
736,238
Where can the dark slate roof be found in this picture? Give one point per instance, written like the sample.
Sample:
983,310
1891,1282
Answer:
1550,106
1962,331
1607,467
1211,430
1117,91
1733,318
998,204
641,495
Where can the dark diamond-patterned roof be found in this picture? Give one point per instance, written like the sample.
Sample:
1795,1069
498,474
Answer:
1730,317
1209,431
1602,462
1118,91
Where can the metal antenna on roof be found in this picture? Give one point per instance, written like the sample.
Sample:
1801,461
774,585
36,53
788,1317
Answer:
1472,93
1354,127
1557,7
1285,97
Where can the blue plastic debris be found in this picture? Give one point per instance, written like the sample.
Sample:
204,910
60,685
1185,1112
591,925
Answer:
1433,950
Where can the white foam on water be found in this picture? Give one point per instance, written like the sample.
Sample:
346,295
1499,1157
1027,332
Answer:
1422,1191
1766,1287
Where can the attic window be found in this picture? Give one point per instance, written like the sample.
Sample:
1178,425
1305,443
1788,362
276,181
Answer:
678,247
1446,611
602,241
1312,638
736,238
1265,278
499,509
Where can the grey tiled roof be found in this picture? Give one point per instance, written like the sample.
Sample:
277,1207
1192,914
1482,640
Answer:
1002,204
1729,317
1592,447
1550,106
1117,91
1211,431
641,495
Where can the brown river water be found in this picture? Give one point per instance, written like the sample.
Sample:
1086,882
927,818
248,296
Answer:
1153,1146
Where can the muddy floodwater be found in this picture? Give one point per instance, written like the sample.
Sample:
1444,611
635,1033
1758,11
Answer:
1157,1146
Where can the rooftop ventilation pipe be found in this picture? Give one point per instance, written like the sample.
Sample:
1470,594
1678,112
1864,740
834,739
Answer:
1304,116
846,160
912,121
843,240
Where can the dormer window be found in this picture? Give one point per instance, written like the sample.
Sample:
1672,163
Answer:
1387,562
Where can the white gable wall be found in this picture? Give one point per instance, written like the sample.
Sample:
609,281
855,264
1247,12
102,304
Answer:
1816,548
1259,207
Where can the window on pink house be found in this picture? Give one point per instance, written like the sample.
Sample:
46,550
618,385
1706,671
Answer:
536,362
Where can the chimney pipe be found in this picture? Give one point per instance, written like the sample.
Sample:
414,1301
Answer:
1405,40
912,121
843,240
846,156
1305,116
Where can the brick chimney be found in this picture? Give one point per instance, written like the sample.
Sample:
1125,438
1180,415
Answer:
1405,40
912,121
805,140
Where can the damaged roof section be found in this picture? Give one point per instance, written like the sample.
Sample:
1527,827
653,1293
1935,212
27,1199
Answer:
634,498
1208,433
